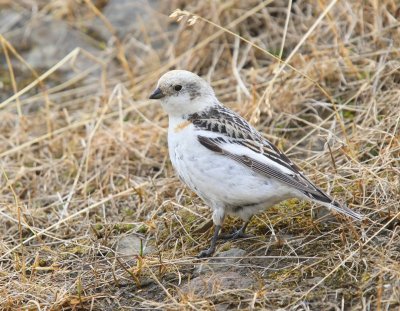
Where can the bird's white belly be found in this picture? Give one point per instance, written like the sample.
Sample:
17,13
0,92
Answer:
222,182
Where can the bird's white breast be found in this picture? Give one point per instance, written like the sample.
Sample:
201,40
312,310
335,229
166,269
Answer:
221,182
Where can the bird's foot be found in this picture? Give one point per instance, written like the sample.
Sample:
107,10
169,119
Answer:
206,253
238,234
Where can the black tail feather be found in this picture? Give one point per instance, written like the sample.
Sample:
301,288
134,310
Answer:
334,205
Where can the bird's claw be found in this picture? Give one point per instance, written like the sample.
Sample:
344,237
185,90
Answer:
206,253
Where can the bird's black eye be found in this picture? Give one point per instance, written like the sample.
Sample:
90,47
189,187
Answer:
178,87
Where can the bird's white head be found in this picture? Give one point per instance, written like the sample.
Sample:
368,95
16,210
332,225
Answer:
182,92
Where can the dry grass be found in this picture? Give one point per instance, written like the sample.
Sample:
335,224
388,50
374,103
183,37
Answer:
84,158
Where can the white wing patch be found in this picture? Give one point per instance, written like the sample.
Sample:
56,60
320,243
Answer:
260,163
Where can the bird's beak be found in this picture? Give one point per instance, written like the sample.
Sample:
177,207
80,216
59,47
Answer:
157,94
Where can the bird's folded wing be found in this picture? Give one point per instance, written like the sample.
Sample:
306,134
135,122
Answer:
228,125
263,159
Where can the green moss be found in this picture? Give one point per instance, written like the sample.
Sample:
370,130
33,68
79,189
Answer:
77,250
348,115
290,277
91,188
189,218
29,163
142,229
316,294
276,52
226,247
293,208
340,279
129,212
42,262
365,277
338,189
98,227
364,75
122,228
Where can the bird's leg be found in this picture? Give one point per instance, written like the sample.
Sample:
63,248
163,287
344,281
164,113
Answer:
238,234
208,252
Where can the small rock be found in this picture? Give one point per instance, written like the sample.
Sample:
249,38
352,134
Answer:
9,19
313,281
123,15
214,283
222,307
223,262
232,255
130,245
128,18
51,40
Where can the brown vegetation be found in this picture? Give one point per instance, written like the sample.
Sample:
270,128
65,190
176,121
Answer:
84,161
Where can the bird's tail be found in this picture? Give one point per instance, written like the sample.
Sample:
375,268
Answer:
341,208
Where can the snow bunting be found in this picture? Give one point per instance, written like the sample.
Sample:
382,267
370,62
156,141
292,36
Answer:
224,160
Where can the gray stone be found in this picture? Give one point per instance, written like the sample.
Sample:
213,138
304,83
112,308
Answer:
213,283
9,19
123,15
51,40
232,255
225,261
129,245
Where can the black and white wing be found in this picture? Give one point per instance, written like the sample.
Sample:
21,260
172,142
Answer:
228,134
